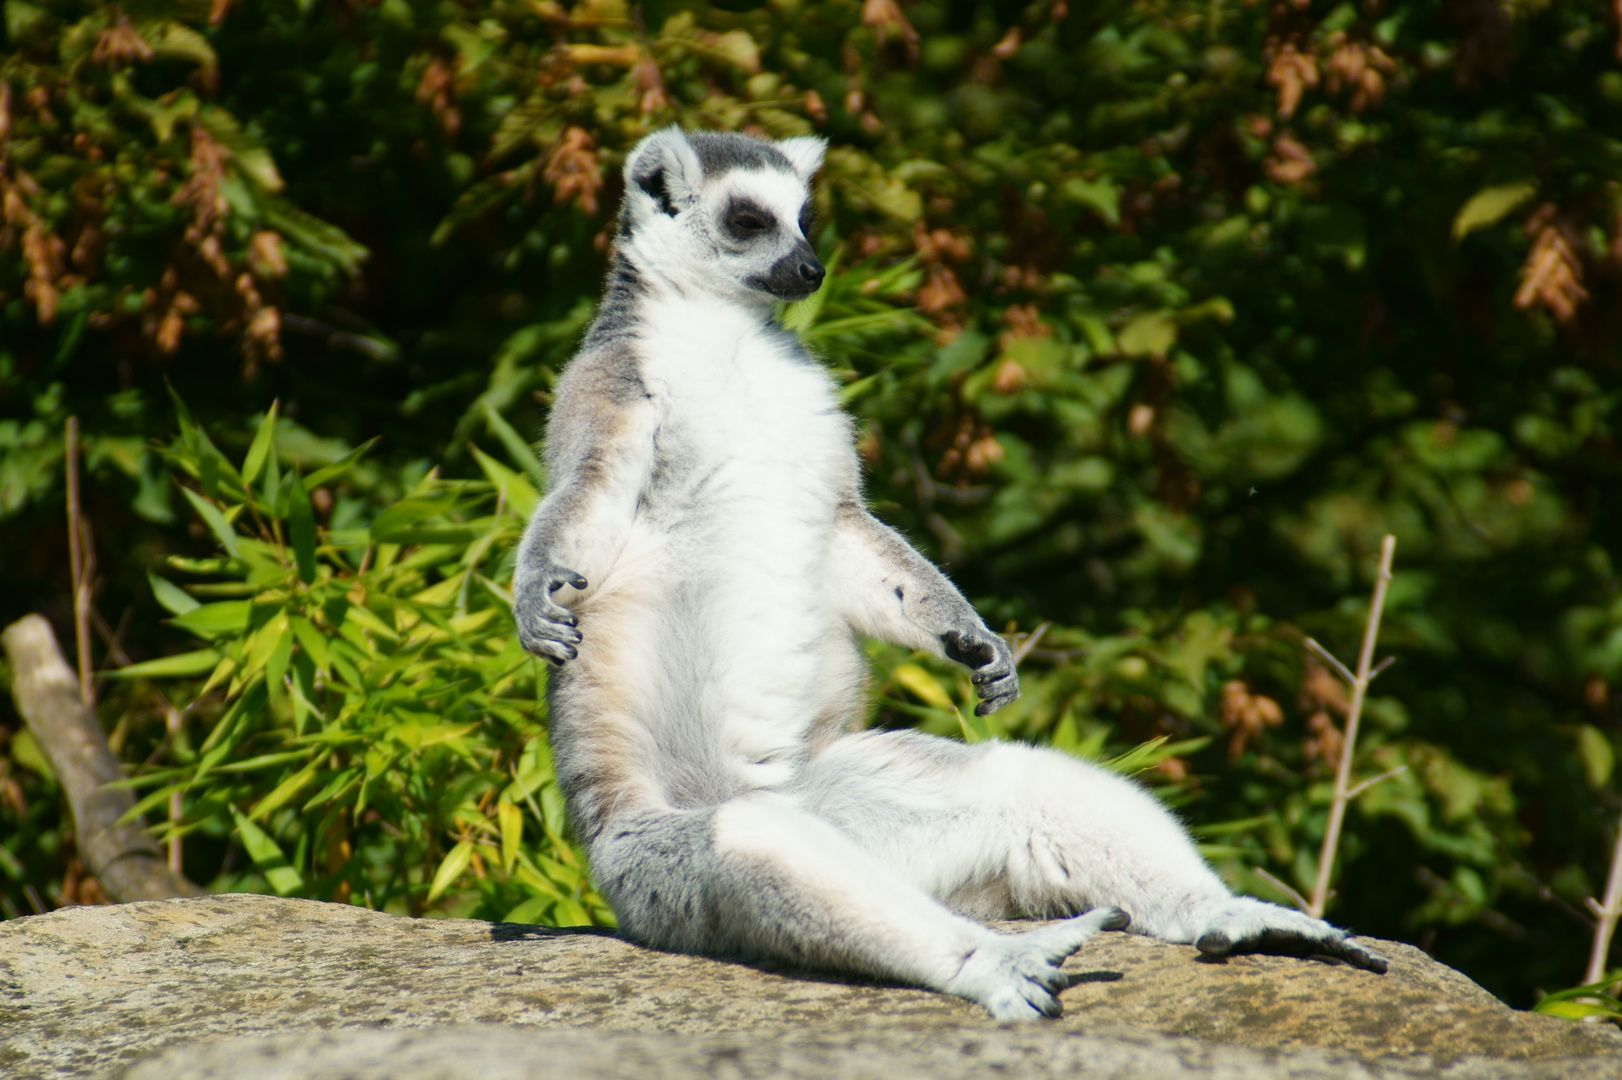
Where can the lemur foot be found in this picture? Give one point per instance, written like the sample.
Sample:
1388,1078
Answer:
1243,925
992,662
1018,976
546,628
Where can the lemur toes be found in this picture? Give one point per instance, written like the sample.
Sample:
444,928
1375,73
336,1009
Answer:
1258,927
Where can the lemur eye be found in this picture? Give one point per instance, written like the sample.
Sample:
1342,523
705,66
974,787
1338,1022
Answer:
805,220
746,222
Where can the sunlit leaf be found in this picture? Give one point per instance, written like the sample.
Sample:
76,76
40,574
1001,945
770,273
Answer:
455,861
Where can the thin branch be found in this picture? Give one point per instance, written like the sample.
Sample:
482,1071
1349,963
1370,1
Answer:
1606,914
1354,714
1331,659
1024,643
1058,656
1371,781
80,556
1296,898
1381,666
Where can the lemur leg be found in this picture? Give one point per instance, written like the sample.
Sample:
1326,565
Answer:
1002,829
760,878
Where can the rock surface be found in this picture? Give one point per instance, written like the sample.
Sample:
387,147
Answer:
255,987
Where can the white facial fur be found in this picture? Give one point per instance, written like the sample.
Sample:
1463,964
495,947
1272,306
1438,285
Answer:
674,224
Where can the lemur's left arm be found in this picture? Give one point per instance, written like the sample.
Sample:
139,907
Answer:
887,590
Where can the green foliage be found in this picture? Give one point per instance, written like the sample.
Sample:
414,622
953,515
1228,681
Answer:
1584,1002
1155,316
372,727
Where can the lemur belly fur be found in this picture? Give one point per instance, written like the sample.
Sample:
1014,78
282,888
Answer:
698,573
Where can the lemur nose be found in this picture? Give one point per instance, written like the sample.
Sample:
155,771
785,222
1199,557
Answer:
812,273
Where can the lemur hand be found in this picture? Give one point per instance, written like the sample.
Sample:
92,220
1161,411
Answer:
992,662
544,627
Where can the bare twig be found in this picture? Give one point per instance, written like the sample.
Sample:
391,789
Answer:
1331,659
81,557
1371,781
122,854
1024,643
1296,898
1354,714
1605,915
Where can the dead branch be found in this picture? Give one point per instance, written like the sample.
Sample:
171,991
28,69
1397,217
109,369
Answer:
1360,686
125,857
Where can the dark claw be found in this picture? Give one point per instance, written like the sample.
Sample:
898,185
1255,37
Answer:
1214,943
1118,921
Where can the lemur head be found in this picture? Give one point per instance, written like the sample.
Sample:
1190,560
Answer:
723,212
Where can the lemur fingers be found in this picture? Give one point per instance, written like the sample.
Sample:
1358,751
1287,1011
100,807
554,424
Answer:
545,628
1258,927
994,676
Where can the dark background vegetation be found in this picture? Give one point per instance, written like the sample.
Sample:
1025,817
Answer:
1156,315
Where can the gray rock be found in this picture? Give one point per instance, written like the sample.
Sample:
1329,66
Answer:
256,987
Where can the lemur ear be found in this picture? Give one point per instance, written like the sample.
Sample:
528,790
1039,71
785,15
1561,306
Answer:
665,167
804,152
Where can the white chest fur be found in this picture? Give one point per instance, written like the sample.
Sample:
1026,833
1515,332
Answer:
751,457
747,421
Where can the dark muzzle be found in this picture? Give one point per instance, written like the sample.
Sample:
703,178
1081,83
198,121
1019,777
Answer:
795,276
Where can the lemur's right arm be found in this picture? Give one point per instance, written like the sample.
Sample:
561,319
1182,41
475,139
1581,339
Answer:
599,454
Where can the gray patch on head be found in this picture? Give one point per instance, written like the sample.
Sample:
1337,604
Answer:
722,151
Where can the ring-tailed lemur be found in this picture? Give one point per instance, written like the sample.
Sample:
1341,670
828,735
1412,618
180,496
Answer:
698,572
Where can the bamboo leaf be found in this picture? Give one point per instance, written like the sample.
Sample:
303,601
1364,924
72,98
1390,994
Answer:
268,856
301,528
263,440
214,520
169,667
285,791
450,869
511,819
214,620
173,598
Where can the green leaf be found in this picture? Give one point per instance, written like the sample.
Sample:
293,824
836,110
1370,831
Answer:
263,440
328,473
212,620
408,512
268,856
174,599
171,40
285,791
450,869
1147,755
511,820
521,452
1597,754
169,667
1491,205
209,621
529,911
214,520
1151,334
1100,195
522,498
923,685
301,528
